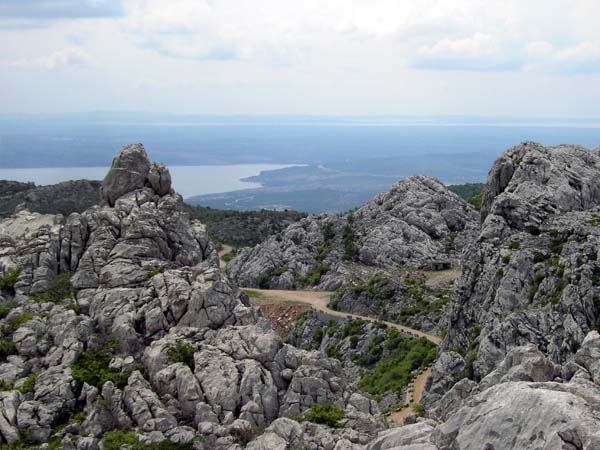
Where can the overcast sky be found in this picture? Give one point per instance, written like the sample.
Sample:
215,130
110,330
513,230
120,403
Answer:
401,57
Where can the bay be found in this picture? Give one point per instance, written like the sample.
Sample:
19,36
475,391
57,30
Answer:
187,180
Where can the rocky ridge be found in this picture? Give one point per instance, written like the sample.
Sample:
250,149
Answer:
521,346
119,318
417,223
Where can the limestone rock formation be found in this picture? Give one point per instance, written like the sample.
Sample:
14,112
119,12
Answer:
119,318
417,223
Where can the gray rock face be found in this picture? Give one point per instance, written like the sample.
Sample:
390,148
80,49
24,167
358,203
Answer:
550,414
521,310
530,276
129,172
186,358
418,223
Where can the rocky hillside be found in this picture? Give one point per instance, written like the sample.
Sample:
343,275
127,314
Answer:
62,198
117,328
522,320
419,223
242,228
236,228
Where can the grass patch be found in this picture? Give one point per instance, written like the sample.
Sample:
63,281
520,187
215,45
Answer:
182,352
153,272
28,384
324,414
58,290
93,368
514,244
314,276
7,348
9,279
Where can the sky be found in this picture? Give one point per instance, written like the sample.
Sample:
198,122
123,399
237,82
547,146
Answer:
345,57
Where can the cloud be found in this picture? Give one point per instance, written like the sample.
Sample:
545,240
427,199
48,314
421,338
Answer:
67,57
59,9
481,51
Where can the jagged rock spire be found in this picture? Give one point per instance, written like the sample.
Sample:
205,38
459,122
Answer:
131,169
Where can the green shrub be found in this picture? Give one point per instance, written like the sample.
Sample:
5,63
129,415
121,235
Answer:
333,351
468,370
318,335
394,362
328,231
7,347
93,368
323,251
263,281
16,321
280,271
476,201
182,352
28,384
514,245
506,259
229,256
113,440
349,241
376,287
418,409
4,386
352,328
58,290
9,279
324,414
314,276
539,257
153,272
5,308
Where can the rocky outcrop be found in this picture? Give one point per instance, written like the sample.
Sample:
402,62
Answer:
521,309
417,223
555,407
119,318
532,275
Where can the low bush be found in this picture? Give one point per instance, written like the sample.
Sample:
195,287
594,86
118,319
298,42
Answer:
113,440
182,352
58,290
418,409
394,362
314,276
28,384
15,322
154,272
7,347
9,279
93,368
324,414
5,308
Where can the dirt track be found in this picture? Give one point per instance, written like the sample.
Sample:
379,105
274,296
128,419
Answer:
224,250
319,300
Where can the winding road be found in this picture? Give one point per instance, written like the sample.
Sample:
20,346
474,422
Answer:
319,300
225,249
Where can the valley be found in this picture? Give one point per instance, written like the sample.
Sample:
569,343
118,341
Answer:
422,319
